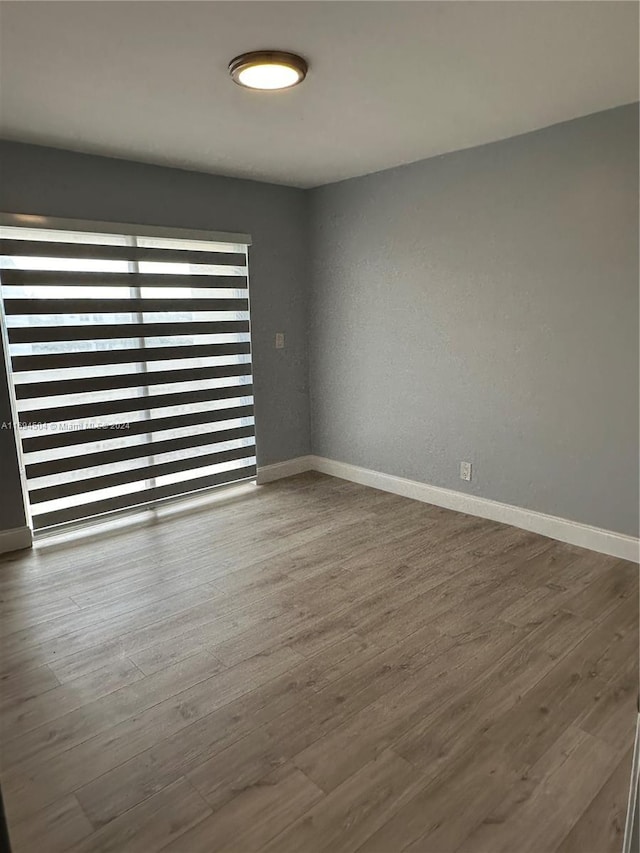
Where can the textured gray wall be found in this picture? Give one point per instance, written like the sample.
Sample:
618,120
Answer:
47,181
483,306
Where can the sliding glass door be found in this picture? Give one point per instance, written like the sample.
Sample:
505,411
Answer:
131,366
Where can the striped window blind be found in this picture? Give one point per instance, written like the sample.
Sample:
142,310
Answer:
131,366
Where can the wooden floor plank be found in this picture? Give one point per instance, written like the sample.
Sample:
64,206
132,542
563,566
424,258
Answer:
441,735
130,782
55,828
150,826
22,716
352,812
449,666
564,696
448,807
601,827
538,811
249,759
315,665
25,613
24,685
38,780
254,816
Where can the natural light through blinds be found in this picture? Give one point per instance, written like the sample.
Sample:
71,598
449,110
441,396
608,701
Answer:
131,366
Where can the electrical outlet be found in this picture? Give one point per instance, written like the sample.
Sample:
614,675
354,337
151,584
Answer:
465,470
279,340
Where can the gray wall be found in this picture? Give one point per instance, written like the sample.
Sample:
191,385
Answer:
478,306
483,306
46,181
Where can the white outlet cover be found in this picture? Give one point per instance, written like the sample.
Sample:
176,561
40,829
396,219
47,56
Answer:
465,471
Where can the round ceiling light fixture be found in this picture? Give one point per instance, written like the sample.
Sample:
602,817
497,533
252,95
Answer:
268,70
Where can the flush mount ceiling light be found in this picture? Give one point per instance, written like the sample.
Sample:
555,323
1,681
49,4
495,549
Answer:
268,69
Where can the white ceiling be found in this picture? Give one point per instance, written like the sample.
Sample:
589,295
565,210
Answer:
390,82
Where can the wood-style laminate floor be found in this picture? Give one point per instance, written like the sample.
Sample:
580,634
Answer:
317,666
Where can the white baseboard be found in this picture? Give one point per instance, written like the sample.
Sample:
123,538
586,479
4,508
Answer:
289,468
572,532
15,539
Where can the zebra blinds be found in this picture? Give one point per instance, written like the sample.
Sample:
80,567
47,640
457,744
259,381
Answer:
131,366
